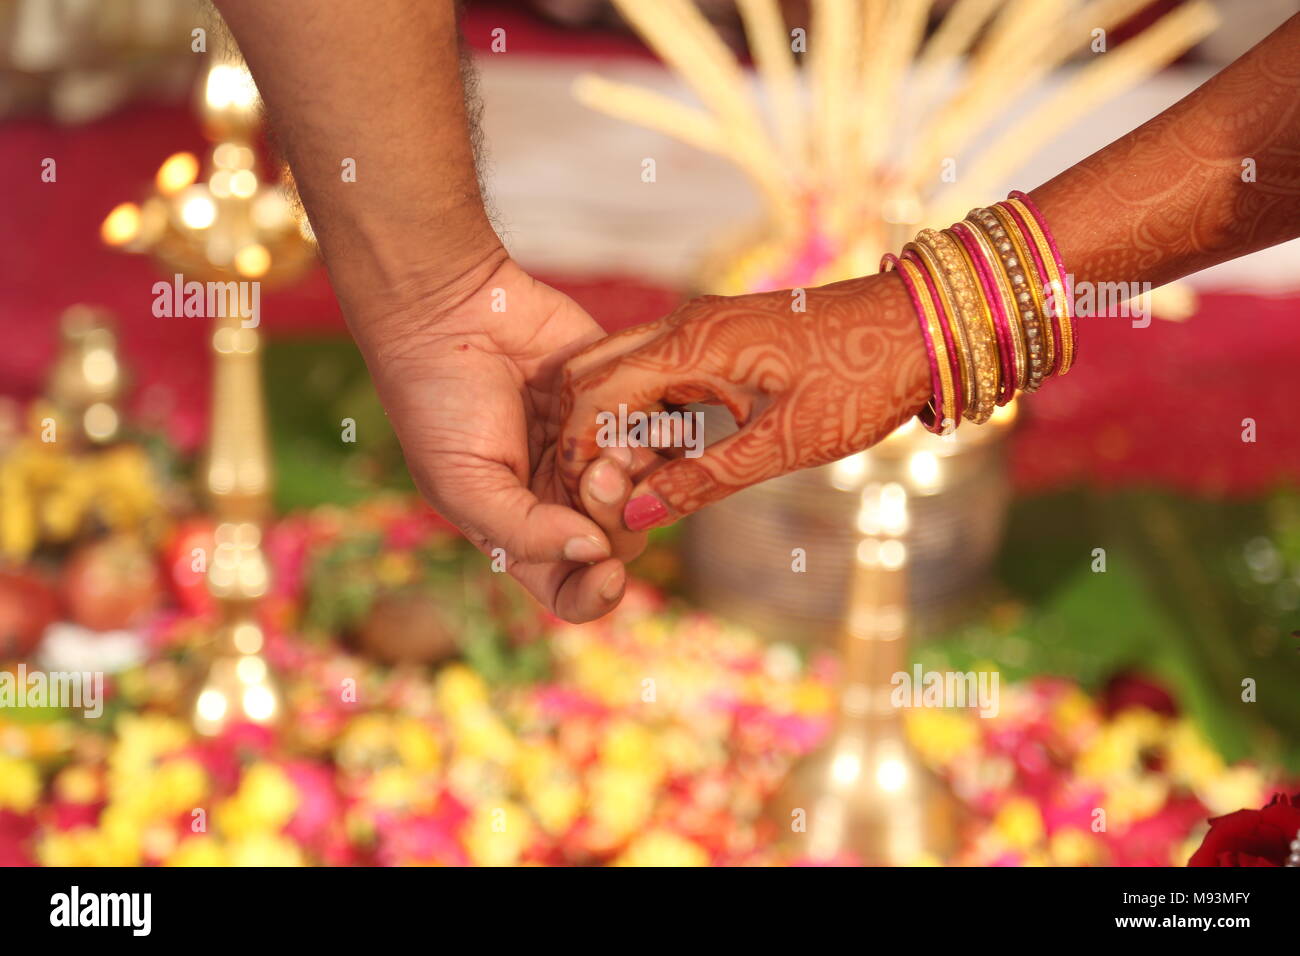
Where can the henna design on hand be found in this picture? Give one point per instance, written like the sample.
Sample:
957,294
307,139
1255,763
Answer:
806,388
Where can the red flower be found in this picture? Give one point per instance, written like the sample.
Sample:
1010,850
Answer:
1252,837
16,833
1134,690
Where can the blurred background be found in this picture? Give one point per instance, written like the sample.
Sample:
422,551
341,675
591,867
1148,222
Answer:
304,665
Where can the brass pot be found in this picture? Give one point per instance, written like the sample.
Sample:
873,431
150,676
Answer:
741,557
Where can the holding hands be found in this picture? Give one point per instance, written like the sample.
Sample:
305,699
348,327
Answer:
475,405
810,376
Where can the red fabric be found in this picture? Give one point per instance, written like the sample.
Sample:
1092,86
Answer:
1165,405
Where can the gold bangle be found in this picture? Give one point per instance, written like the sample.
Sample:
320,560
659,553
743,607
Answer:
1029,300
973,313
947,298
947,392
1056,281
1019,351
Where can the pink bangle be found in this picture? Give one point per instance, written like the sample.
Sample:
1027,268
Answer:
932,416
1053,314
1060,265
1006,357
953,364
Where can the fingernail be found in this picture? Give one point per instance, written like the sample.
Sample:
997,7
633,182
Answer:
644,511
587,548
607,483
619,454
613,586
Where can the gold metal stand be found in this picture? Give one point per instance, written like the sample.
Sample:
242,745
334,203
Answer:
229,227
864,796
237,475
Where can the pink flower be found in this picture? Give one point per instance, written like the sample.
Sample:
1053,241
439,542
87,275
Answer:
16,831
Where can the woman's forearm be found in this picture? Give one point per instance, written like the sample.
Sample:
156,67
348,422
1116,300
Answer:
1214,177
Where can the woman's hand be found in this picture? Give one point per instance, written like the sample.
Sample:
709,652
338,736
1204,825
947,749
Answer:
806,387
470,376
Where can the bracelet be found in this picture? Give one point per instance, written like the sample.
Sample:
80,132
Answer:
1040,256
1011,347
974,315
933,415
992,298
1051,256
954,410
1021,265
960,341
995,315
1026,316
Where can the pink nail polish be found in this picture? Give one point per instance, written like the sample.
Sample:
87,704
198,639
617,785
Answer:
644,511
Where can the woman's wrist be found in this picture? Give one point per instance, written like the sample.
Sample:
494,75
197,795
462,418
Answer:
990,298
894,307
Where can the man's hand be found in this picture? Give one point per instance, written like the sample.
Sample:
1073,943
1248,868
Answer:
470,378
418,269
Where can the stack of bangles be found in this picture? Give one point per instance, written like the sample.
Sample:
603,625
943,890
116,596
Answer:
992,299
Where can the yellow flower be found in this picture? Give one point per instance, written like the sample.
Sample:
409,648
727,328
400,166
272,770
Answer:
1071,846
940,736
1019,823
662,848
685,752
1235,788
811,698
1133,798
265,849
498,835
265,802
84,846
367,741
1118,745
460,688
115,842
481,733
123,834
1074,711
77,784
630,746
198,851
418,745
1192,760
549,785
20,784
179,786
394,788
141,740
556,803
50,740
621,801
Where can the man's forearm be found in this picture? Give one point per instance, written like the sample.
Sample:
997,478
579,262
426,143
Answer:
378,83
1177,195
